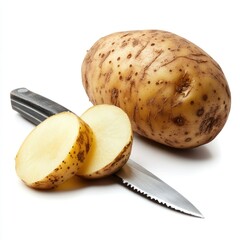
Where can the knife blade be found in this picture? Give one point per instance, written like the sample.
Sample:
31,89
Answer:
36,108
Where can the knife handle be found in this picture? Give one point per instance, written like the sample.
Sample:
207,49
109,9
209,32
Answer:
34,107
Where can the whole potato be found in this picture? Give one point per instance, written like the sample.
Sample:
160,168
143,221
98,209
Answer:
173,92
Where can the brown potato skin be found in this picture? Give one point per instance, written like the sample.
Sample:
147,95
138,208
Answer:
173,92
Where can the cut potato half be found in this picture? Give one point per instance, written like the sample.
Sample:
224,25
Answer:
54,151
112,141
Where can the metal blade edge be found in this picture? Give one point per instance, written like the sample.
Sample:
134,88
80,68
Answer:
140,180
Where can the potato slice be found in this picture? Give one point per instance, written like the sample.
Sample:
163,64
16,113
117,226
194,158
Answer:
112,141
54,151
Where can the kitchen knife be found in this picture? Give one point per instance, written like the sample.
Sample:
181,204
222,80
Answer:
37,108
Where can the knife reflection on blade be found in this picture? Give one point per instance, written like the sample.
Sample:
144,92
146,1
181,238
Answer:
37,108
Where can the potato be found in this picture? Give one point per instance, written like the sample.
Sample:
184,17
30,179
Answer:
173,92
94,146
112,142
54,151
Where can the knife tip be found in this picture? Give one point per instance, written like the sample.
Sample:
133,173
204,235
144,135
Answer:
200,216
196,214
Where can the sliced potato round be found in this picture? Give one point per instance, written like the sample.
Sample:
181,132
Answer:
54,151
112,141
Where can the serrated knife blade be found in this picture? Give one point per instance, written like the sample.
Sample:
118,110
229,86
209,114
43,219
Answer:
141,180
37,108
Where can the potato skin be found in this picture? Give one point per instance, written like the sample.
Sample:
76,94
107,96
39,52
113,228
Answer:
173,92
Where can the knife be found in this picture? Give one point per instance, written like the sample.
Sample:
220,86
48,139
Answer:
36,108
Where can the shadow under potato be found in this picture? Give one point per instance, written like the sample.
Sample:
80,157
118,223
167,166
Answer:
76,183
198,153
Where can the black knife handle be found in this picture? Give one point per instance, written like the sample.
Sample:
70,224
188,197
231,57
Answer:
34,107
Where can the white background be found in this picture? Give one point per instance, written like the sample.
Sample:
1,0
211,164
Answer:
43,44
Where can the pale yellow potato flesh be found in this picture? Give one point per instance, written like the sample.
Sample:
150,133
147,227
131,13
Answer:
53,151
112,141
